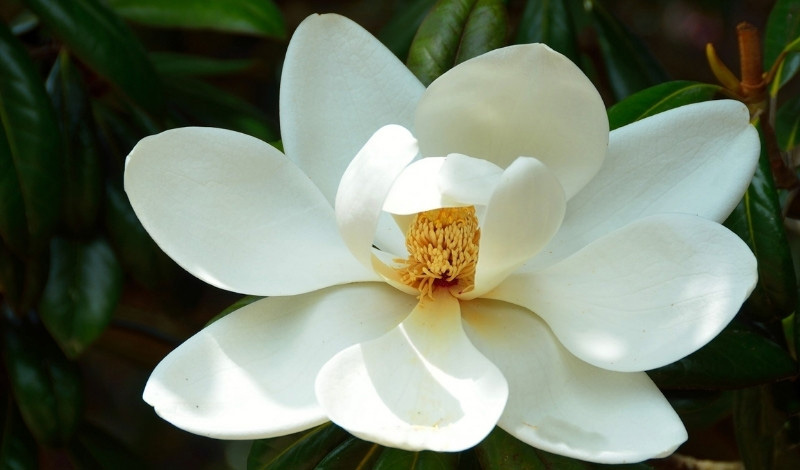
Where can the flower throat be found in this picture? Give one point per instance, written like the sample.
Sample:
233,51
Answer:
443,250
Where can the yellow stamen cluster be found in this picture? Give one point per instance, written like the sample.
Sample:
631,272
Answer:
443,250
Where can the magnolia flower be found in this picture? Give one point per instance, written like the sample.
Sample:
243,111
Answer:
443,260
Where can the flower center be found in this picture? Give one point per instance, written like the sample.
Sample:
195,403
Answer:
443,250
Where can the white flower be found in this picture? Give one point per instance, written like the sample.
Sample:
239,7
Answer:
598,256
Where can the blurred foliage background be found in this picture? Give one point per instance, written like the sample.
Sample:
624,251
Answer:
90,304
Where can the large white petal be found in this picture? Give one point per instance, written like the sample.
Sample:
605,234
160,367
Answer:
421,386
697,159
365,184
251,374
523,214
525,100
338,86
234,212
643,296
560,404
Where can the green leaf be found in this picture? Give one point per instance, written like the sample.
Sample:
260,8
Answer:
185,65
45,384
455,31
738,357
700,409
137,252
98,37
352,454
301,454
787,124
629,65
756,422
658,99
82,291
549,22
759,222
261,18
399,31
83,185
396,459
18,450
30,173
94,448
243,302
783,27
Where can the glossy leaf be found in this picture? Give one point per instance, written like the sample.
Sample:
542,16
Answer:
45,384
783,27
352,454
454,31
759,222
111,49
303,453
700,409
30,173
658,99
399,30
756,422
629,65
396,459
83,185
82,291
738,357
185,65
549,22
261,18
18,450
787,124
137,252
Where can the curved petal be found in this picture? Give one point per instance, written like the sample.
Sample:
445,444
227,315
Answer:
251,374
420,386
338,86
234,212
563,405
523,214
525,100
643,296
365,184
697,159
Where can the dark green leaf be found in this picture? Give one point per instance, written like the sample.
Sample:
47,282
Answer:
629,65
18,450
262,18
95,449
98,37
399,31
212,106
738,357
10,276
352,454
184,65
46,385
455,31
302,454
30,175
82,291
700,409
137,252
783,27
658,99
759,222
83,185
549,22
396,459
756,422
244,301
787,124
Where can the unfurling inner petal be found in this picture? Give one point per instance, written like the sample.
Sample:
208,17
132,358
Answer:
443,250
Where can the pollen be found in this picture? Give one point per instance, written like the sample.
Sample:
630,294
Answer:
443,250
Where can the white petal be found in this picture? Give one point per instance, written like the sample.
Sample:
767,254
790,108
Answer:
471,181
236,213
416,189
366,183
560,404
251,374
525,100
421,386
523,214
643,296
338,86
697,159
